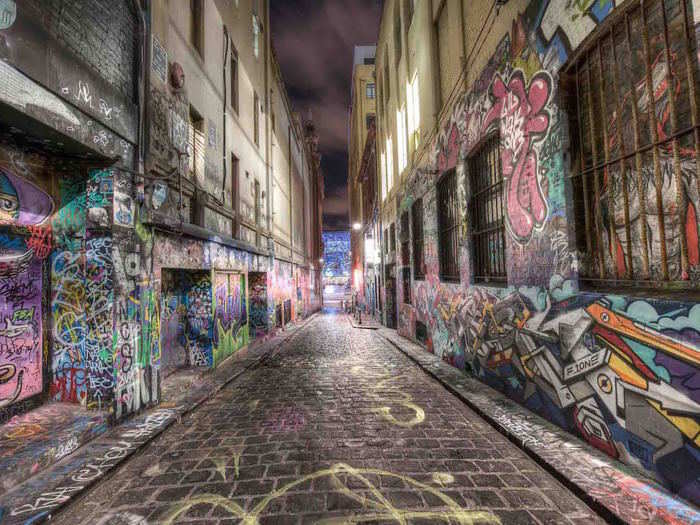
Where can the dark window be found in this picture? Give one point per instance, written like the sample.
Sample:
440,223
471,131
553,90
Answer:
406,282
258,214
386,240
448,226
370,90
370,120
368,61
234,80
445,50
410,7
256,119
197,25
634,163
405,238
235,166
487,214
417,218
397,32
392,237
197,143
387,86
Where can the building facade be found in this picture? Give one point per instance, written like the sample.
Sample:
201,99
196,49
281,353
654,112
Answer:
538,174
144,149
360,190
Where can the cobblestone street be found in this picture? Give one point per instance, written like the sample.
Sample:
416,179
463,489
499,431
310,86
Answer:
336,427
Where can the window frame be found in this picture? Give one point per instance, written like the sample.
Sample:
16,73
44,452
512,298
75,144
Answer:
418,239
370,90
197,26
256,118
486,202
234,90
405,250
652,264
448,263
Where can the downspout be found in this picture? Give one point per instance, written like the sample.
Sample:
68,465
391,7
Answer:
142,82
268,138
225,154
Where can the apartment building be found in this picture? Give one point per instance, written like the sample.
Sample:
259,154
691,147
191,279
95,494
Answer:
538,175
362,179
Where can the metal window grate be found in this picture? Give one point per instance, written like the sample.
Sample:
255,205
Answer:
417,218
404,237
636,156
448,226
487,214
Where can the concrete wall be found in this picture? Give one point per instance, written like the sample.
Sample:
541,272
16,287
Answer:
620,371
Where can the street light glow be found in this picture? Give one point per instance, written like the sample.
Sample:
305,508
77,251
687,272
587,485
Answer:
357,226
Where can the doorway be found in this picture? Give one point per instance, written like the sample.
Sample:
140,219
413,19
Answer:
186,319
390,295
259,316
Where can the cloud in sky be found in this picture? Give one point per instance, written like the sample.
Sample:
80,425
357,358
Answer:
314,42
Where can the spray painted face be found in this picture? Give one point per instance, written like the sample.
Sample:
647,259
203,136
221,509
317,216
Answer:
9,202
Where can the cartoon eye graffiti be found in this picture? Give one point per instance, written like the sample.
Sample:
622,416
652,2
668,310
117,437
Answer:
604,383
604,317
8,203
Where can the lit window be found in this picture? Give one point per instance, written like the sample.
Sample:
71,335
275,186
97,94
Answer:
413,109
389,165
370,90
256,37
401,139
383,168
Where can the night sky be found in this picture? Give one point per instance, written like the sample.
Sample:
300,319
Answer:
314,41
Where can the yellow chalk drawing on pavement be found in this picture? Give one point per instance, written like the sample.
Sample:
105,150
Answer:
378,507
220,466
388,395
237,453
443,478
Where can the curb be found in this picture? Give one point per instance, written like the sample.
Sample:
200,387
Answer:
669,509
50,498
361,326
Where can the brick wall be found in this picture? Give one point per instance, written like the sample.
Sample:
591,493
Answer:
102,33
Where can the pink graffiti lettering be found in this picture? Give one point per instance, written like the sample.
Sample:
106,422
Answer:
523,121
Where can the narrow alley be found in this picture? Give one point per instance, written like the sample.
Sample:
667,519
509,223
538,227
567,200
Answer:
337,426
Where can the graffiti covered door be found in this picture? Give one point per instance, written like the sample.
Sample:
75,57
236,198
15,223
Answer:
231,328
391,296
26,241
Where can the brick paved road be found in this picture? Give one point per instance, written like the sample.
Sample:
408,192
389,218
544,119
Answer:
338,427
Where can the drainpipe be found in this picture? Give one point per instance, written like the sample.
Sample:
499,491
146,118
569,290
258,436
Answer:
225,154
142,83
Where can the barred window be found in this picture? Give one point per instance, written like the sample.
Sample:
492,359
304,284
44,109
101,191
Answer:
487,214
635,156
405,239
417,218
448,226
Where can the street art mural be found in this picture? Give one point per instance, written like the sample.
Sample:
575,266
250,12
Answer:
21,364
620,372
22,205
231,328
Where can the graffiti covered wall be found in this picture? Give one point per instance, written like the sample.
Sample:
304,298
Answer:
621,372
231,326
